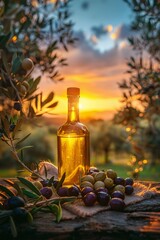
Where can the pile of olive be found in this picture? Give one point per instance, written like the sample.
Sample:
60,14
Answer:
105,188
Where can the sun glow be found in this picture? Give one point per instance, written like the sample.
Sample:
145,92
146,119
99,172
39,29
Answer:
89,104
81,106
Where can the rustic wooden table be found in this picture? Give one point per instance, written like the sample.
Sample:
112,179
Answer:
139,221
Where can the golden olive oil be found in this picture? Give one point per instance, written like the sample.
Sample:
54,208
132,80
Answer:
73,143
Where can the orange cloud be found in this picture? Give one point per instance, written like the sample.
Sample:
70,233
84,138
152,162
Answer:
95,73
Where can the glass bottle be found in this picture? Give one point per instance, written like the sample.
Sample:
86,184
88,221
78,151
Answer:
73,142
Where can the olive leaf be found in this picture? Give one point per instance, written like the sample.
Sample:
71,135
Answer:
3,195
48,99
24,138
34,85
5,62
25,147
30,185
19,190
15,186
51,181
4,39
13,227
16,65
56,210
60,183
29,194
59,215
52,47
9,182
34,210
53,105
29,217
5,125
17,127
5,213
6,190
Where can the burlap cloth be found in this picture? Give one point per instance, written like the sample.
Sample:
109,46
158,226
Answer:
78,209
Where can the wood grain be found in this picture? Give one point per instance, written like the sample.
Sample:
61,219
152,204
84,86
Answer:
139,221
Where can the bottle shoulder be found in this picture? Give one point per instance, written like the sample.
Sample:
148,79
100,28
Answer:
77,128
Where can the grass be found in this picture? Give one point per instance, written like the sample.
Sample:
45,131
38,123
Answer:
12,173
149,173
118,163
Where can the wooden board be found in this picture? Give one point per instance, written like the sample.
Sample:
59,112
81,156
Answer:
139,221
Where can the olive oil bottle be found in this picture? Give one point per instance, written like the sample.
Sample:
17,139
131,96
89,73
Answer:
73,142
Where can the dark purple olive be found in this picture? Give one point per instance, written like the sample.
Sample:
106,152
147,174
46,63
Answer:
55,183
111,190
103,198
63,192
17,106
129,189
13,202
119,181
129,181
12,127
20,214
101,189
46,192
89,199
73,191
86,190
117,194
117,204
44,182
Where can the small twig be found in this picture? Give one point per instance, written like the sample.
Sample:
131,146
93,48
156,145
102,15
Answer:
38,204
17,93
14,151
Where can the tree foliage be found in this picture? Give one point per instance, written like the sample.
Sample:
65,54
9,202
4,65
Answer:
141,91
36,30
33,34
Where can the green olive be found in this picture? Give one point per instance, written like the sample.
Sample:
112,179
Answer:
22,90
108,182
100,176
86,184
99,184
88,178
26,84
93,174
27,64
120,188
38,184
111,174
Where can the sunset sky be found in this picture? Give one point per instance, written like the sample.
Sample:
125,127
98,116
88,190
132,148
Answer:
98,60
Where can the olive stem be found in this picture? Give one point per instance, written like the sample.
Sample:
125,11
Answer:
28,74
15,89
38,204
14,151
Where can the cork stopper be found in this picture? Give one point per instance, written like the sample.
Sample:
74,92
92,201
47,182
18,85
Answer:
73,91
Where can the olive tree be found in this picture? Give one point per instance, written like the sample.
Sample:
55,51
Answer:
33,35
141,91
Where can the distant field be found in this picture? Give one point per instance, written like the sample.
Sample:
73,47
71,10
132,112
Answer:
149,173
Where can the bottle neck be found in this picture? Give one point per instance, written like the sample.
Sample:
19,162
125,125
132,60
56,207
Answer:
73,108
